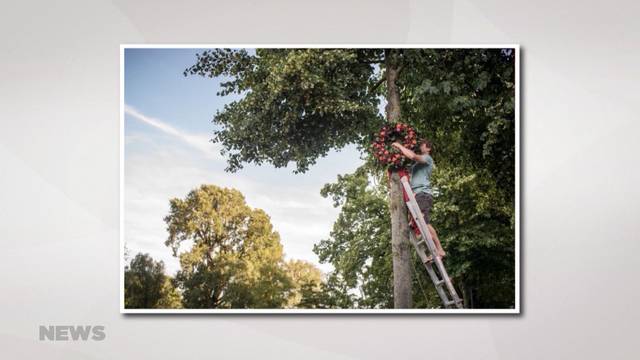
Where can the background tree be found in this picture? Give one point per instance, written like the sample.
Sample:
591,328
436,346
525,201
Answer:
171,298
298,104
307,280
235,259
147,287
336,294
358,247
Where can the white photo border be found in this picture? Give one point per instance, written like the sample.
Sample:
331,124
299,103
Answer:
515,310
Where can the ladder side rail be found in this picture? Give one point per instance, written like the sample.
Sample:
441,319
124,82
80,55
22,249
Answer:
434,278
414,211
424,257
447,281
439,288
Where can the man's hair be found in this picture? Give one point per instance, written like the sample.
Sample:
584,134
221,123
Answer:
428,143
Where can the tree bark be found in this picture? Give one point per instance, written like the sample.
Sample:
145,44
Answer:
402,295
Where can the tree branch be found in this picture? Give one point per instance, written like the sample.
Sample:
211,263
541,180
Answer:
383,78
373,61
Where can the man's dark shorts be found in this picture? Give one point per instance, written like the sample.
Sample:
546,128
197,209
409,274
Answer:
425,202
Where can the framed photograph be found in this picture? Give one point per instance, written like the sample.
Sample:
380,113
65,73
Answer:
367,179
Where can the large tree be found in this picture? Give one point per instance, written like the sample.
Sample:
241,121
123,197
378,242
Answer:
297,104
463,100
233,256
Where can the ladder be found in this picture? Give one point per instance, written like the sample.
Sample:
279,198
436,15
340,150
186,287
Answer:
424,246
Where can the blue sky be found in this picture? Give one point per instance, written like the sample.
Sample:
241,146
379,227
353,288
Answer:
167,153
154,82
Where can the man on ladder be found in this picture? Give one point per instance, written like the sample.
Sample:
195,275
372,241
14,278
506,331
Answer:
421,183
425,240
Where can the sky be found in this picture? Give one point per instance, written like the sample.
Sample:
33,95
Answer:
167,127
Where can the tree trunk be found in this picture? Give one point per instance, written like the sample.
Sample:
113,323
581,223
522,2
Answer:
402,296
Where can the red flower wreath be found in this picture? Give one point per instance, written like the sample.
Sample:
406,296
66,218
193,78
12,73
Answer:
388,155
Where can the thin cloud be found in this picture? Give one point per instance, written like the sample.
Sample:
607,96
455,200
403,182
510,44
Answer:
299,214
198,142
151,180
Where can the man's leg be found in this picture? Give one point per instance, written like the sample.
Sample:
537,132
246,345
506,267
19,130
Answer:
434,236
425,202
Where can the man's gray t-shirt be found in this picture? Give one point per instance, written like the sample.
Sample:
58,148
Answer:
421,174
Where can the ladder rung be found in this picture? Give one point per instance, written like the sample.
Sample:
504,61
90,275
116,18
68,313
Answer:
439,282
429,259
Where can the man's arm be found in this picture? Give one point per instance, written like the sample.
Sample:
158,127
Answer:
409,153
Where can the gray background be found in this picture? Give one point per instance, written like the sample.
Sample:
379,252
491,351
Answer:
59,96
